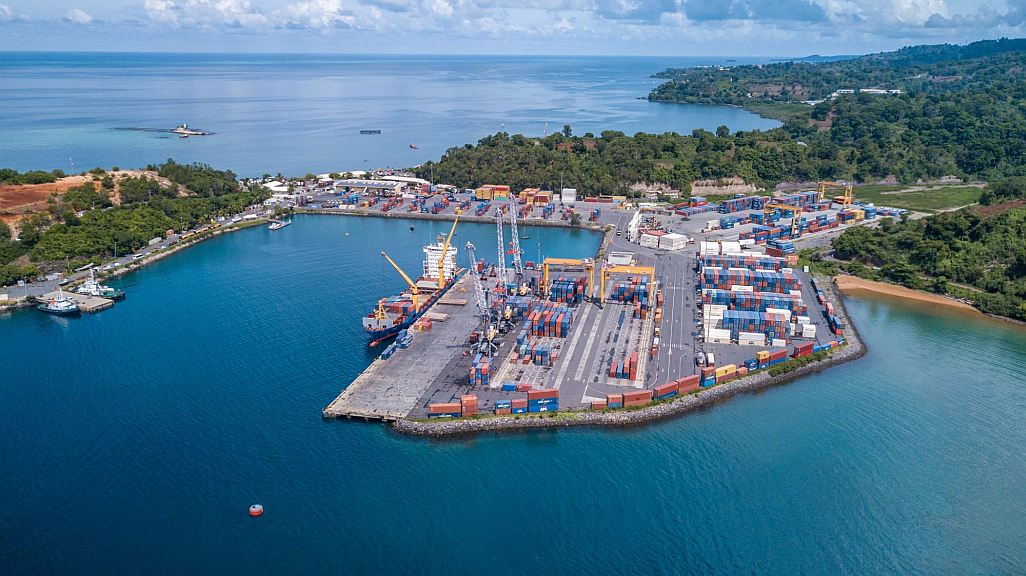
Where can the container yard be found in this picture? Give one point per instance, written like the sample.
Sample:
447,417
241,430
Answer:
679,312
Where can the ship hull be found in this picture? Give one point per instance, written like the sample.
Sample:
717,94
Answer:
67,312
391,331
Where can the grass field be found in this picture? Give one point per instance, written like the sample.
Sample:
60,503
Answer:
921,199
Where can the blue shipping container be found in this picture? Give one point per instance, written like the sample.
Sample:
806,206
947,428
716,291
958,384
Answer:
542,401
500,404
667,395
519,410
509,387
546,408
615,405
445,415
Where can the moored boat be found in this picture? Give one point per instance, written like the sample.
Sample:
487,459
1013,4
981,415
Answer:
93,288
60,305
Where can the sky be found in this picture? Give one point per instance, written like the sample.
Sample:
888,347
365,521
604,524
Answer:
608,27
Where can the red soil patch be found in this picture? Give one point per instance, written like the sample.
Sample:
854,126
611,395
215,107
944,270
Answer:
995,209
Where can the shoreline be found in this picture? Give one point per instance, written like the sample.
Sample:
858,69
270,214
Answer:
30,301
853,284
853,350
589,226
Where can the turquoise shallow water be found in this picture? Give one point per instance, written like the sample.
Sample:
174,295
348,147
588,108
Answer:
132,441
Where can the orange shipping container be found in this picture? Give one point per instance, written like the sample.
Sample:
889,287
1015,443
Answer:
614,398
519,403
598,404
644,395
444,407
536,394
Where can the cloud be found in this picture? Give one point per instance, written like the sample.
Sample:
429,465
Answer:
712,10
317,14
204,13
8,15
78,16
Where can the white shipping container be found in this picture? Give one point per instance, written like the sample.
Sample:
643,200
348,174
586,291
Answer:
712,225
787,270
746,243
568,196
751,339
719,307
730,247
649,241
778,343
709,249
655,341
673,241
710,360
739,288
795,292
809,331
804,320
779,311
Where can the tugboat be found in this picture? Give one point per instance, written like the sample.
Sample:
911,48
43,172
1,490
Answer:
60,306
392,315
93,288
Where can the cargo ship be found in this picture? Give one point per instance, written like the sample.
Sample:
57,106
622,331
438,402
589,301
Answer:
398,312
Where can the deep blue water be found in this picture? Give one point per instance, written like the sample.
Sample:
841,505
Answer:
132,442
302,113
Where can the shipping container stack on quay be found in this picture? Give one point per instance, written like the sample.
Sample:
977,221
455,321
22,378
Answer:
709,313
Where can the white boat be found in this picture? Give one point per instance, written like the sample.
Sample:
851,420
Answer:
93,288
279,224
60,306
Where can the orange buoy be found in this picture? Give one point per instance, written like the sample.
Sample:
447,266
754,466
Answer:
256,510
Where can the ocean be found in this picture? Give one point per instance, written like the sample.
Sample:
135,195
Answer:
294,114
132,441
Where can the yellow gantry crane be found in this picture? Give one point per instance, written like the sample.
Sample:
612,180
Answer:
847,188
414,291
647,270
441,259
796,216
586,264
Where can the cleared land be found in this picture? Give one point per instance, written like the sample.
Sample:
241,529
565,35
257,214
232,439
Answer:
920,198
19,199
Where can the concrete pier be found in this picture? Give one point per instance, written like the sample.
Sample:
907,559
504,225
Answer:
389,389
87,304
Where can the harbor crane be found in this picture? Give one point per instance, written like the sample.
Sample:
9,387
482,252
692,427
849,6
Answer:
586,265
479,293
646,270
441,259
796,215
488,331
518,263
847,188
500,264
414,291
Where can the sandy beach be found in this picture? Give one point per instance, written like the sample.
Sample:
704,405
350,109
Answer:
853,284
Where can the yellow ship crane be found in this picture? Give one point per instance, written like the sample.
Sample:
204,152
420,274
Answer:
414,291
646,270
586,264
796,216
847,192
441,259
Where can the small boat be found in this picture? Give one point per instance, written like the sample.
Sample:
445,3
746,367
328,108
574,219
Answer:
279,224
525,237
370,131
414,146
60,306
93,288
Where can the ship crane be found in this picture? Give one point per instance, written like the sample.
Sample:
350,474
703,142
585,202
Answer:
441,259
518,263
414,291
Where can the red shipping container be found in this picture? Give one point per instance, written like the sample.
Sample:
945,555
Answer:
708,371
598,404
523,387
666,388
688,389
778,354
613,370
614,398
444,407
468,399
688,381
503,411
536,394
643,395
519,403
